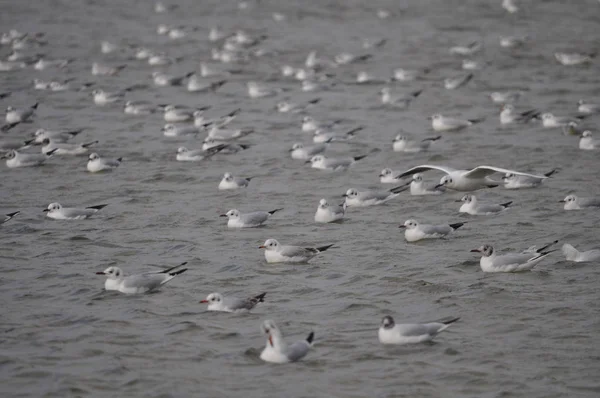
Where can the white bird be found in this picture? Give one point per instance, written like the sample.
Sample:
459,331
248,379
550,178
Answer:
9,216
517,181
216,34
405,75
511,262
410,333
15,145
216,302
217,123
584,106
64,148
452,83
587,142
356,198
472,206
572,59
299,151
57,212
14,115
179,130
466,180
256,90
512,41
139,108
347,58
143,53
43,64
469,49
7,66
402,100
505,97
402,143
140,283
572,254
550,121
230,182
419,188
290,107
221,134
508,115
102,97
413,231
309,124
327,213
574,202
226,148
510,6
441,123
388,176
321,136
196,155
197,85
467,64
107,47
321,162
277,351
16,159
175,114
106,70
247,220
97,164
277,253
162,79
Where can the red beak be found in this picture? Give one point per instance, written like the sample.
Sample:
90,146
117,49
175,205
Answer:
100,273
204,301
271,340
262,247
475,251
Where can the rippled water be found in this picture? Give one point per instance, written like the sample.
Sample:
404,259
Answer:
531,334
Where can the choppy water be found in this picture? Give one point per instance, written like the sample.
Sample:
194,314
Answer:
532,334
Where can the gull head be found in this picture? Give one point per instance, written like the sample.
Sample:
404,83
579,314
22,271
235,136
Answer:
297,145
212,298
399,137
387,322
569,199
53,207
233,213
111,273
10,155
409,224
93,156
323,204
586,134
351,193
270,244
182,149
316,159
228,177
385,172
446,180
417,177
467,199
485,250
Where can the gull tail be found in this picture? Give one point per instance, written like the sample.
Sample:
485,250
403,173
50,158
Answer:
451,320
356,158
323,248
119,160
97,207
50,153
310,338
73,133
354,130
432,138
314,101
541,249
505,205
260,298
35,106
456,225
9,126
89,144
479,120
569,251
399,189
274,211
415,94
551,172
169,270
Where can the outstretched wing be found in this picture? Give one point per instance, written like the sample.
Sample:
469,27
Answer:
484,171
426,167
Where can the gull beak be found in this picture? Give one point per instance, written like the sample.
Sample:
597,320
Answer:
45,210
475,251
262,247
3,157
308,161
438,186
203,301
344,196
429,117
271,340
458,200
504,177
100,273
291,150
402,226
222,215
381,175
561,201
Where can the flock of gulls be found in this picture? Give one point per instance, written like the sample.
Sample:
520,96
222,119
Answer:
231,52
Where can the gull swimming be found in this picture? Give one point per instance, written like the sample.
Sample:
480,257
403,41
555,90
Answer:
321,162
452,83
550,121
299,151
511,262
328,214
419,188
197,85
278,253
57,212
518,181
290,107
102,97
402,143
277,351
14,115
441,123
196,155
572,59
309,124
16,159
574,202
230,182
140,283
584,106
217,302
247,220
468,49
505,97
405,75
467,180
402,100
572,254
508,115
587,142
106,70
323,136
97,164
64,148
139,108
410,333
9,216
225,148
472,206
415,232
356,198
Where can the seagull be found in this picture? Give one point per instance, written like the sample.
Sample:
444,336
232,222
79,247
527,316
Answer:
226,148
333,164
466,180
20,115
509,116
309,124
57,212
512,41
504,97
230,182
163,79
175,114
512,262
415,232
574,202
387,98
517,181
572,254
299,151
587,142
197,85
140,283
321,136
419,188
220,134
247,220
102,97
347,58
405,75
15,145
441,123
277,253
472,206
277,351
218,123
327,213
290,107
403,143
139,108
106,70
16,159
452,83
179,130
9,216
510,6
256,90
572,59
388,176
64,148
410,333
550,121
356,198
469,49
42,63
584,106
195,155
216,302
97,164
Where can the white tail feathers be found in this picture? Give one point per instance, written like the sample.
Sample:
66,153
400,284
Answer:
570,252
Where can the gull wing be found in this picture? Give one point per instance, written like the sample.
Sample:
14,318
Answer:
484,171
426,167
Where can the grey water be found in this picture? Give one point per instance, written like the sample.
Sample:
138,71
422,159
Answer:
532,334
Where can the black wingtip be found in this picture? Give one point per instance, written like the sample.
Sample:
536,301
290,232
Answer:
97,207
11,215
456,225
356,158
51,152
35,106
274,211
89,144
452,320
505,205
551,172
181,271
314,101
323,248
260,298
541,249
310,337
493,186
119,159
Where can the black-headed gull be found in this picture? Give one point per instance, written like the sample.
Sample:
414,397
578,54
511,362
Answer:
410,333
